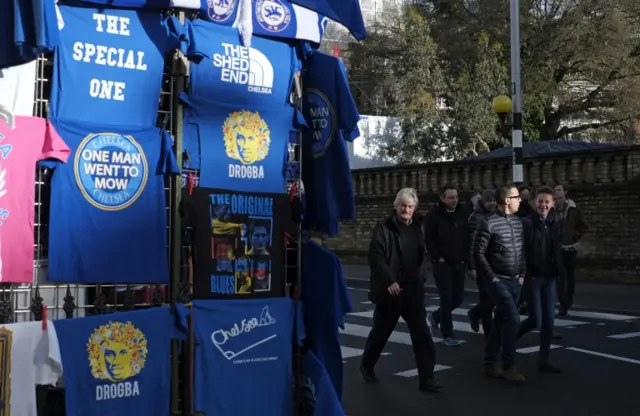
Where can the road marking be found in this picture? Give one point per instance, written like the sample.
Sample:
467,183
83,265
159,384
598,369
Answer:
535,348
601,315
398,337
357,289
625,336
348,352
367,302
601,354
601,324
414,372
465,326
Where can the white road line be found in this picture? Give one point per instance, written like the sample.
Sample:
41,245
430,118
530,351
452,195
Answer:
348,352
359,289
368,302
601,315
414,372
465,326
601,354
625,336
536,348
398,337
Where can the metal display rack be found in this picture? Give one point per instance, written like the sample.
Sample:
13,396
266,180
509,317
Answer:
20,303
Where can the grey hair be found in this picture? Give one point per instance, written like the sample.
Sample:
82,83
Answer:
406,194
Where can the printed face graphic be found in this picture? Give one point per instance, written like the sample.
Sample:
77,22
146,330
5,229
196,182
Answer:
117,360
247,148
259,238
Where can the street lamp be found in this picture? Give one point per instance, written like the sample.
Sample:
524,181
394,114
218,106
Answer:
516,132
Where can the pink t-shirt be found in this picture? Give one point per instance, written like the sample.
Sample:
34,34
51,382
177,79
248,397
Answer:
31,140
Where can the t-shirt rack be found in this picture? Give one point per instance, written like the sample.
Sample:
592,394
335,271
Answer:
51,296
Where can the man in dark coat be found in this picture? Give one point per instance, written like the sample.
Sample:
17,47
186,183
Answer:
543,248
396,257
446,241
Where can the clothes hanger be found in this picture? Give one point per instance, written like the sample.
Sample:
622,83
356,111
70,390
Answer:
8,116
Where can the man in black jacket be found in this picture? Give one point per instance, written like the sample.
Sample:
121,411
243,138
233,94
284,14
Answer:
543,248
499,258
446,240
483,311
396,257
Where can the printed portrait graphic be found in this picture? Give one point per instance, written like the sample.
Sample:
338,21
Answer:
259,237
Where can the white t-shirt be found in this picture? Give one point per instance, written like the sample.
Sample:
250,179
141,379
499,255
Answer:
28,356
17,88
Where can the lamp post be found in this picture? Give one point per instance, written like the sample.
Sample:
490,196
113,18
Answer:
516,132
502,105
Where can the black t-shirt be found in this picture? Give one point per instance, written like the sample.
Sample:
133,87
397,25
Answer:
239,242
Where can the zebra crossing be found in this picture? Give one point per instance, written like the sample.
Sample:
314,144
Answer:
358,325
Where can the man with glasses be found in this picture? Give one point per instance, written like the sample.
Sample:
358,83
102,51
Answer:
499,258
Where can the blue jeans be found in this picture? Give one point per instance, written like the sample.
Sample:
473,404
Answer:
541,302
506,322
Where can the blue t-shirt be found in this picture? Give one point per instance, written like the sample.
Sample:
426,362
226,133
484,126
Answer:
320,398
275,18
27,28
125,4
241,150
109,63
108,212
243,356
326,301
118,364
332,117
255,78
345,12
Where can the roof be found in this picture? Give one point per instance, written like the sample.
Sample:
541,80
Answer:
532,149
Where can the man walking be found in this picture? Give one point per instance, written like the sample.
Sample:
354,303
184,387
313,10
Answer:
544,265
572,227
483,311
499,258
396,256
446,240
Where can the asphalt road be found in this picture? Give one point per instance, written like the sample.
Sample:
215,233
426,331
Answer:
600,354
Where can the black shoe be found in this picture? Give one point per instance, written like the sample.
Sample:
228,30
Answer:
430,385
563,312
557,335
545,367
475,323
368,374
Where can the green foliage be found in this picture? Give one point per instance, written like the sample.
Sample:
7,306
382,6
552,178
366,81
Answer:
438,64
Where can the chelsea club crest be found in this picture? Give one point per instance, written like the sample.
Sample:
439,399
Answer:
220,10
272,15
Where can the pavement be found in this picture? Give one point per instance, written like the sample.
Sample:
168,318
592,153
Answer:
600,354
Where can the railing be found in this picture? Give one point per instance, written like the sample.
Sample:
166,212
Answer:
575,170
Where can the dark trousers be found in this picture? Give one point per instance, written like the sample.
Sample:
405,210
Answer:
410,306
567,283
450,282
483,311
541,303
506,322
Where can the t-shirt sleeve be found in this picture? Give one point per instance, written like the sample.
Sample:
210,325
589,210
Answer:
348,115
177,34
54,149
342,300
181,321
192,50
167,163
